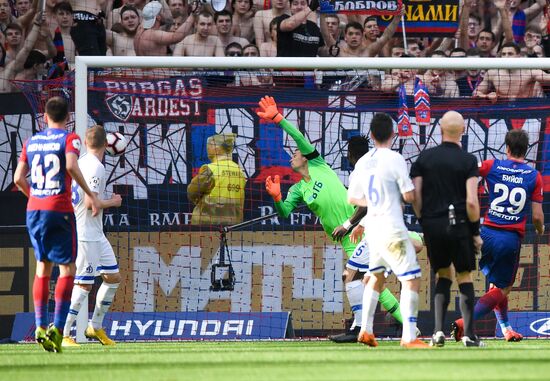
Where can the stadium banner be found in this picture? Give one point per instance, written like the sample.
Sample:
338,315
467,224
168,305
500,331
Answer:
434,18
529,324
370,7
132,326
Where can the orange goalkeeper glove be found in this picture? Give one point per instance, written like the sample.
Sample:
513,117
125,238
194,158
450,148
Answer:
273,187
268,110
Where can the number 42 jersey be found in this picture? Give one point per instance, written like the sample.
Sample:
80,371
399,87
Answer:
45,154
512,185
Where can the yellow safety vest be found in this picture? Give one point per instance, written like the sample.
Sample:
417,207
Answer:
224,204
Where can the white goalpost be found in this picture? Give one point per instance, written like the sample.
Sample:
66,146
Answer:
84,64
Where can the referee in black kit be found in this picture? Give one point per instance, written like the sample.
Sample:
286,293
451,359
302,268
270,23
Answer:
446,203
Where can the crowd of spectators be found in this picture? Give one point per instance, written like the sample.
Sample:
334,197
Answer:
38,45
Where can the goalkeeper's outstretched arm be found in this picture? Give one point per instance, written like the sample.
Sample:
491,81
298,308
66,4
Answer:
268,110
293,198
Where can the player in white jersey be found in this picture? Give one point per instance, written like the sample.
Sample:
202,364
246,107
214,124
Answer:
380,181
95,254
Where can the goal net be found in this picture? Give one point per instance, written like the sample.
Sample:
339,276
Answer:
169,115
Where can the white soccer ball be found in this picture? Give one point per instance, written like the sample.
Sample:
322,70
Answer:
116,143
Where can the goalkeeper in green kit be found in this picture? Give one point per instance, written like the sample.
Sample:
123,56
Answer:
325,195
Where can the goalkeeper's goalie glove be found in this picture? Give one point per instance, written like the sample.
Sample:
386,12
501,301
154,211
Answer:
268,110
273,187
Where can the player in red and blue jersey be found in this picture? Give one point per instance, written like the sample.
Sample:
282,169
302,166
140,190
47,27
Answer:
512,185
51,157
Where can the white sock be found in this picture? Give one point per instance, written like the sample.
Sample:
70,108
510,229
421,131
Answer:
370,301
104,299
409,310
354,291
77,297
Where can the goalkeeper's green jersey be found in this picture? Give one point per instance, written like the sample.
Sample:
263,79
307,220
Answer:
324,194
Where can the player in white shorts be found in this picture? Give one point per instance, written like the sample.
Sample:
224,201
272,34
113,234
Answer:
360,259
379,182
95,254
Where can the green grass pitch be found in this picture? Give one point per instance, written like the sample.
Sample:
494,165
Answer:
278,360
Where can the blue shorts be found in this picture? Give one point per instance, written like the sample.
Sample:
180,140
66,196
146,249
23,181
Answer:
53,235
500,256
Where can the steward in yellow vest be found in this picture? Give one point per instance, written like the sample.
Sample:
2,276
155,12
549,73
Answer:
218,189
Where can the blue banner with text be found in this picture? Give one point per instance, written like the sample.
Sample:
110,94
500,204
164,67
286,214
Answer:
131,326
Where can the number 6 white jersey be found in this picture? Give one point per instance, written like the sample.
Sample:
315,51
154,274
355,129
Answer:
381,176
89,228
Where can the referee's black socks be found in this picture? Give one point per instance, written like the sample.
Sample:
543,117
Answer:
441,301
467,299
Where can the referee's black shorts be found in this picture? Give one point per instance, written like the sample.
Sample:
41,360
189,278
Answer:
448,246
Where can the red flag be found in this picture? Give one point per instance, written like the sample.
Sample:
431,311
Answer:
422,108
404,129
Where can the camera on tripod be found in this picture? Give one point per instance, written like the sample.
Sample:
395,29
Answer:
222,275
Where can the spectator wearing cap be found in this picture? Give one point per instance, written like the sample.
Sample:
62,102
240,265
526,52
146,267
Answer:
150,39
201,43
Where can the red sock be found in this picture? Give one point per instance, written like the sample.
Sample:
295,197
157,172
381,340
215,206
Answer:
63,291
40,294
488,302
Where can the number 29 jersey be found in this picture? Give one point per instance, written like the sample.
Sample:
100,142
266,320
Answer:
45,154
512,185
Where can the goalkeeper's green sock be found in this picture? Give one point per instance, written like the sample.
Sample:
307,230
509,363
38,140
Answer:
390,304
